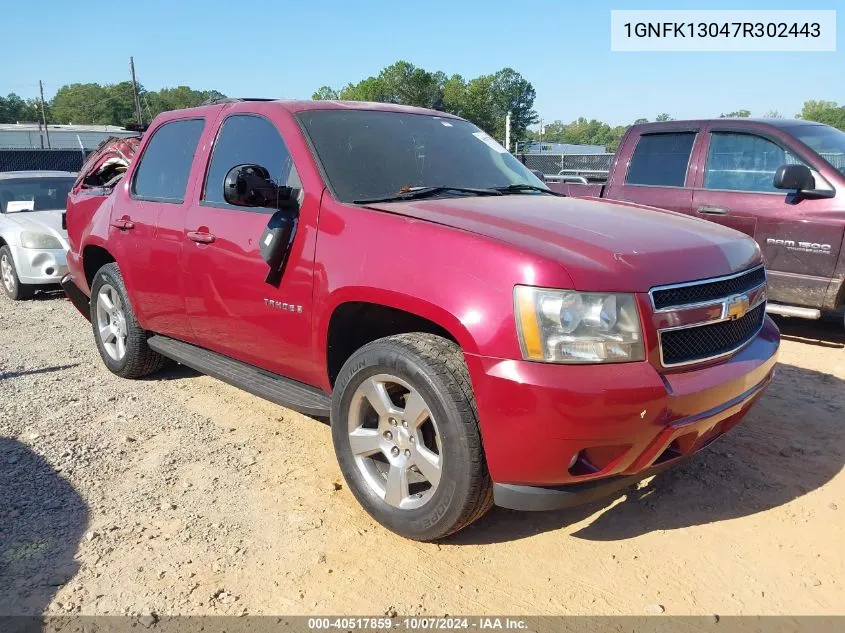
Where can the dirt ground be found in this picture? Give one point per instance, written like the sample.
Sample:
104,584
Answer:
182,495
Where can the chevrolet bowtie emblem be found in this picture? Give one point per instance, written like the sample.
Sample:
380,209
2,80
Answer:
737,307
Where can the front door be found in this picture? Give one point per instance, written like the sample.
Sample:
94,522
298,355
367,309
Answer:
146,226
799,239
231,307
659,171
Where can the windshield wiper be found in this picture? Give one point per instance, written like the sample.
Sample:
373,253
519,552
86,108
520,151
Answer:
427,192
523,187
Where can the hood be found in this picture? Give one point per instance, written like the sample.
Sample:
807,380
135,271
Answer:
603,246
48,221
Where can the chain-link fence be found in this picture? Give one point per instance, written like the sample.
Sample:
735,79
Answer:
594,167
41,159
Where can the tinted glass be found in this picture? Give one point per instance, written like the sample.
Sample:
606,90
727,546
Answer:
827,141
743,162
661,159
371,154
166,162
248,139
34,194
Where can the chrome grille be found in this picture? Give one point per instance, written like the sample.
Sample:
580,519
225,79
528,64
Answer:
734,308
705,291
693,344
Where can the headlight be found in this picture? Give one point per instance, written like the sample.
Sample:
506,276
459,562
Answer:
564,326
31,239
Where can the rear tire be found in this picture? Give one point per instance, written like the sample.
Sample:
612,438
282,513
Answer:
121,341
12,286
406,435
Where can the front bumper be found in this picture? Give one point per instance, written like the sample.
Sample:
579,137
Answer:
560,435
37,266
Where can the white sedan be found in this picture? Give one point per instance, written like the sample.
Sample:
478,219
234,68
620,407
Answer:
33,244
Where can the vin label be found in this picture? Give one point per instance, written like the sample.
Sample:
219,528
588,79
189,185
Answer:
706,30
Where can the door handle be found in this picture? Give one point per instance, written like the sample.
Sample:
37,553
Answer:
713,210
124,224
201,237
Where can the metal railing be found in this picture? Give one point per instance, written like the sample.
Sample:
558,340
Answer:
593,167
41,159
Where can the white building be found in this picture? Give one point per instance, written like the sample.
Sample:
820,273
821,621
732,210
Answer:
79,137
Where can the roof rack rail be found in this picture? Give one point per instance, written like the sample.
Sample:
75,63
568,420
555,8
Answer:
234,100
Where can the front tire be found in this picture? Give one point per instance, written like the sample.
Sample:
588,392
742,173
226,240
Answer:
406,435
12,286
121,341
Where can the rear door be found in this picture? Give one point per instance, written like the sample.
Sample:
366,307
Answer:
657,169
799,239
231,307
146,223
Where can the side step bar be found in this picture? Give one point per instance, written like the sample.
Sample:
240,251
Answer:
793,311
283,391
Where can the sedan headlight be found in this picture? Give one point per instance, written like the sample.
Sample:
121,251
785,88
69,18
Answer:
564,326
31,239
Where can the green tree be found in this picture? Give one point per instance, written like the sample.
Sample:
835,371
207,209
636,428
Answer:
177,98
14,109
640,121
828,112
664,116
324,93
80,104
737,114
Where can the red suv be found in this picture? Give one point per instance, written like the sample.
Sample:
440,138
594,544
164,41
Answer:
473,336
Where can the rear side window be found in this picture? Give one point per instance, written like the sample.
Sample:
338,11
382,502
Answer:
661,159
163,172
744,162
248,139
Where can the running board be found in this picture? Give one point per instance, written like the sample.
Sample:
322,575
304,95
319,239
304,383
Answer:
793,311
264,384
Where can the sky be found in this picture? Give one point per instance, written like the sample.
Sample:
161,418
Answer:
289,48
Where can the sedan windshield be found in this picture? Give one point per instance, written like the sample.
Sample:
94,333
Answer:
34,194
368,155
827,141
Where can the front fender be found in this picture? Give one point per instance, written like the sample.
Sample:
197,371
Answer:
457,279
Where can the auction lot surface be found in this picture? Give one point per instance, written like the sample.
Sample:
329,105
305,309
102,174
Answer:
180,494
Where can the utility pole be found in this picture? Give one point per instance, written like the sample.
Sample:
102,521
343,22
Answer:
44,113
508,131
135,94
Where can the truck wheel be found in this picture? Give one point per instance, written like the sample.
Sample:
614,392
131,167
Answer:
12,286
405,431
121,341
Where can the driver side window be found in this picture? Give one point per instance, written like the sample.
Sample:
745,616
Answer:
744,162
247,139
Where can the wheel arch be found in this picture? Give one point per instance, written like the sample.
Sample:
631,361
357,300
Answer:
358,318
94,257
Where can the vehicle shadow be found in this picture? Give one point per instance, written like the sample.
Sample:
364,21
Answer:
791,443
42,519
49,294
823,333
4,375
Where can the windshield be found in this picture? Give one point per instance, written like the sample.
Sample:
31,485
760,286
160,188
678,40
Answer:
34,194
827,141
369,154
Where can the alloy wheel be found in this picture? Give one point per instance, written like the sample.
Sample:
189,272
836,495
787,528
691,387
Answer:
111,321
7,273
395,441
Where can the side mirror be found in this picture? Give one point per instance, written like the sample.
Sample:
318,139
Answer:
539,174
251,186
794,178
276,241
